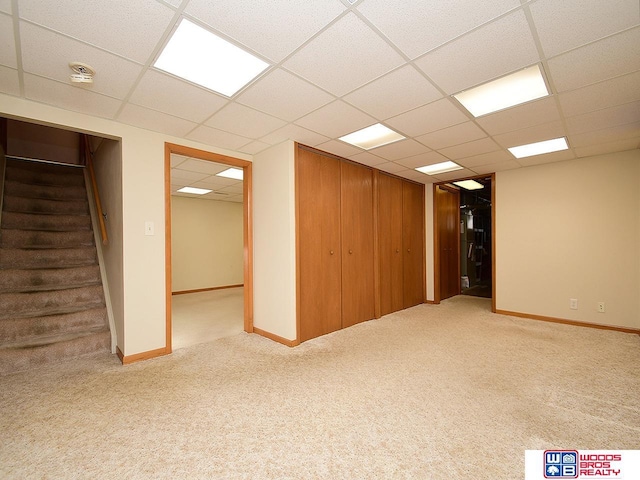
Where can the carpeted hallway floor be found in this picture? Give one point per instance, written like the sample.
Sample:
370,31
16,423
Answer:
434,392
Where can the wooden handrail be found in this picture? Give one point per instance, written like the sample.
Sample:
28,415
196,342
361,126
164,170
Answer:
94,186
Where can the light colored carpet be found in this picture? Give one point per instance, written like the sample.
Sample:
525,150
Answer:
434,392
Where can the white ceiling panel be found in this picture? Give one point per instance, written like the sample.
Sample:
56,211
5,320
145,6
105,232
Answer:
214,183
601,95
447,137
537,133
69,97
391,167
469,149
496,167
335,120
200,166
500,47
606,135
167,94
423,159
401,149
177,159
344,57
9,82
608,117
294,132
284,95
7,42
416,176
241,120
447,177
435,116
563,25
367,158
540,111
184,176
254,147
130,29
156,121
417,27
608,58
383,98
5,6
603,148
339,148
273,28
215,137
498,156
546,158
48,54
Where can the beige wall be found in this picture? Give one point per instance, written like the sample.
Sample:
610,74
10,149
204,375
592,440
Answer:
571,230
206,243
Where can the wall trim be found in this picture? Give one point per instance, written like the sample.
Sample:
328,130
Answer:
137,357
564,321
198,290
276,338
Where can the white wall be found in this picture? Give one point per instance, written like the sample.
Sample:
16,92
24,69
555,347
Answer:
274,261
571,230
206,243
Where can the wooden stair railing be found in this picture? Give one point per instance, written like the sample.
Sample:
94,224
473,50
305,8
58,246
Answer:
88,155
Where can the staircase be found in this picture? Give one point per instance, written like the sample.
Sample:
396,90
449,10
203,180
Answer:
51,297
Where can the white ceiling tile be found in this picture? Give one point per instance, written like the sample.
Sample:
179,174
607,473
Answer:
174,3
284,95
435,116
469,149
339,148
485,159
273,28
527,115
456,175
167,94
417,27
447,137
48,54
496,49
496,167
563,25
537,133
5,6
177,159
601,95
186,175
130,29
401,149
547,158
296,133
367,158
7,42
236,189
608,117
608,58
202,166
241,120
254,147
391,167
214,182
416,176
218,138
349,46
9,81
423,159
395,93
601,149
606,135
69,97
156,121
335,120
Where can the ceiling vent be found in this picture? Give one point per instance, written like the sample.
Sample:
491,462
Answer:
82,73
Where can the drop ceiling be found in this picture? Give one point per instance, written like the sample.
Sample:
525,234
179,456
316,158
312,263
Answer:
192,172
336,68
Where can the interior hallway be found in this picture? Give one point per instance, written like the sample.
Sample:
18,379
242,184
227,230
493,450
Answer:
206,316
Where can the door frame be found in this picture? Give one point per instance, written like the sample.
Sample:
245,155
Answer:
247,207
436,252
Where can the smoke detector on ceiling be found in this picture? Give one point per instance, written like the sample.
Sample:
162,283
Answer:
82,73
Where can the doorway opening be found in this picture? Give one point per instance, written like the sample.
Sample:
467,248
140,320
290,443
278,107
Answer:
209,282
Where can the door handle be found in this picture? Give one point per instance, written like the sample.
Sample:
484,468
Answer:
331,252
350,252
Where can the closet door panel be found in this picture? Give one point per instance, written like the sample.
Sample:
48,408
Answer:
390,243
413,238
358,294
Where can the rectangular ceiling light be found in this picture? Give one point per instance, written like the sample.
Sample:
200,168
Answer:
235,173
194,190
438,168
371,137
199,56
469,184
505,92
538,148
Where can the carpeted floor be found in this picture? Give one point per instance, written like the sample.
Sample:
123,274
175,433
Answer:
434,392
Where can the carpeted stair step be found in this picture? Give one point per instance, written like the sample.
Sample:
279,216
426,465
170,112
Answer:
44,191
15,258
39,205
13,281
41,175
14,359
54,223
39,239
35,304
14,331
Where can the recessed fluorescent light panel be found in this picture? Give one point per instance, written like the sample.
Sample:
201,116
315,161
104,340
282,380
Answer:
538,148
371,137
438,168
505,92
199,56
469,184
194,190
235,173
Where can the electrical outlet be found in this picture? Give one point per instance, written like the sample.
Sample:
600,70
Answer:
601,307
573,303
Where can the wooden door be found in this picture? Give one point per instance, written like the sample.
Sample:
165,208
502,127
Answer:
357,244
448,231
413,238
390,243
318,184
